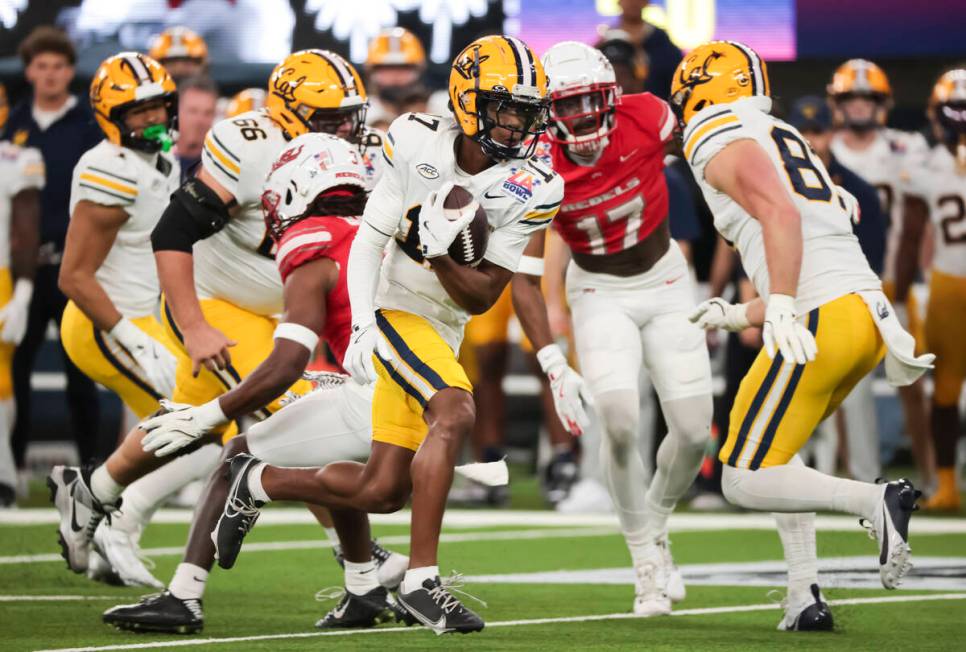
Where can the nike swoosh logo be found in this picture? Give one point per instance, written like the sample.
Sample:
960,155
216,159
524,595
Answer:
627,156
884,551
489,196
74,525
439,624
674,280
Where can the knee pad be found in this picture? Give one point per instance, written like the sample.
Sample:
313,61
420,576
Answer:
620,413
689,419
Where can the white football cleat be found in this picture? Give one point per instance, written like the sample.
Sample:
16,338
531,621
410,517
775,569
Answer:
122,552
80,513
586,497
890,528
98,570
675,582
650,586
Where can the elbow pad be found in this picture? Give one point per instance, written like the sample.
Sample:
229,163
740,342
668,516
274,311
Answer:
194,213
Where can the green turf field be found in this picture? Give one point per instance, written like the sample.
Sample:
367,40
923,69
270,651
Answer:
546,588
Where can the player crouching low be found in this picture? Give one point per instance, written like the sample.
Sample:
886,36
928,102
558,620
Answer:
826,322
315,188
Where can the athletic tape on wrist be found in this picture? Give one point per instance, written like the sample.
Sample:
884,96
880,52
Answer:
297,333
530,265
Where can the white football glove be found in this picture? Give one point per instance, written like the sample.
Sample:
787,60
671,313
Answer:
158,364
180,426
902,314
783,332
571,398
14,315
718,313
436,231
363,342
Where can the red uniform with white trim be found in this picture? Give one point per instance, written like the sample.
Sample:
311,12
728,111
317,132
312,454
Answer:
323,237
619,201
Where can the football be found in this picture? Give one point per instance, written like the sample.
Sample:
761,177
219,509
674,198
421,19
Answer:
470,245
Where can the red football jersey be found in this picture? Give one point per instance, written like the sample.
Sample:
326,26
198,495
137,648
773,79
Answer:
323,237
619,201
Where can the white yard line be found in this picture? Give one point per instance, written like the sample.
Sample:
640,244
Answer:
477,518
54,598
462,537
501,623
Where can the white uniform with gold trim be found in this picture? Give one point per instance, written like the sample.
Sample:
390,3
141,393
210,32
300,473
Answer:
519,197
886,164
21,168
141,184
237,264
942,184
832,261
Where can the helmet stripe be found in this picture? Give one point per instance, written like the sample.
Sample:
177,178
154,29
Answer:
758,86
138,68
348,81
516,58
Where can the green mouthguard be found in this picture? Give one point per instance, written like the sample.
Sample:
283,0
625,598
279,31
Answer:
160,134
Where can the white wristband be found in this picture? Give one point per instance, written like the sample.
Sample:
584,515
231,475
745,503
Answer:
297,333
782,301
124,331
530,265
550,356
23,290
211,414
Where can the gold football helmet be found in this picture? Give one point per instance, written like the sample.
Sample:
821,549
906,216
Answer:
4,107
718,72
858,78
947,111
317,91
179,43
497,82
396,46
127,80
250,99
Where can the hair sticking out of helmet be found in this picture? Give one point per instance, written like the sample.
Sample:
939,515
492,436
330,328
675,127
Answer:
583,97
317,174
498,91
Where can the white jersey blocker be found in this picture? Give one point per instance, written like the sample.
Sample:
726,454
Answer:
519,197
237,264
21,168
141,184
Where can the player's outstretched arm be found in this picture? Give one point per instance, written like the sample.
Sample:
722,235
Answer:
295,339
198,209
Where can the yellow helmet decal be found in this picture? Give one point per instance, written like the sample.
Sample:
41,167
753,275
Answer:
860,77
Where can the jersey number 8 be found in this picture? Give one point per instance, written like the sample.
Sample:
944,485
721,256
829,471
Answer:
798,162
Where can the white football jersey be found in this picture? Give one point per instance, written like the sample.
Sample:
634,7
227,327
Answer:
237,264
141,184
20,168
886,164
832,261
520,198
942,184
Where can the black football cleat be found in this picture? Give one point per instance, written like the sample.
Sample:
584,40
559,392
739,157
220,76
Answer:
809,616
362,611
161,612
435,607
240,512
890,529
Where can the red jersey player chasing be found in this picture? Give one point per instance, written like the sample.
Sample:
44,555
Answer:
630,294
312,193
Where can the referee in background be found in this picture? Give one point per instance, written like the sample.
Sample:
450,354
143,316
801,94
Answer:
62,127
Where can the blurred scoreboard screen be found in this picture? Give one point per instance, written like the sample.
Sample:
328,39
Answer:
263,31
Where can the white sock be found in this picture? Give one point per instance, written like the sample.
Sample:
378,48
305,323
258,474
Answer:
8,470
797,532
104,487
795,488
415,577
142,497
255,483
188,582
361,578
332,535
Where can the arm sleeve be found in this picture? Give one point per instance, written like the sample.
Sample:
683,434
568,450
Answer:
710,131
30,171
104,180
220,155
506,244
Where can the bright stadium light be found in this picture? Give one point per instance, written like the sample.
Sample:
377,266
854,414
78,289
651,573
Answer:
9,12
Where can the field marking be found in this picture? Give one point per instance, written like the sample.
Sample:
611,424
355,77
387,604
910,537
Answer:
503,623
54,598
480,518
271,546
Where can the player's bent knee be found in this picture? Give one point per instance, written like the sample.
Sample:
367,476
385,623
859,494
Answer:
689,419
620,412
454,414
385,497
234,446
731,480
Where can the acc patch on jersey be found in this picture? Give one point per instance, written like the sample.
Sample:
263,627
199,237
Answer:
519,185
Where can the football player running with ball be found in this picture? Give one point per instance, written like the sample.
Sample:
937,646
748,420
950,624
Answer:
406,335
826,322
630,294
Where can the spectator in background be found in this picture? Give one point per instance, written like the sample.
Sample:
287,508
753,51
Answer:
662,55
628,60
394,76
182,53
197,99
55,122
811,116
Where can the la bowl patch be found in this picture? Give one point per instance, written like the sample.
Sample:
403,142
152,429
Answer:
519,185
